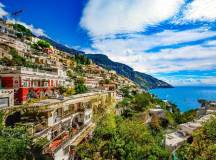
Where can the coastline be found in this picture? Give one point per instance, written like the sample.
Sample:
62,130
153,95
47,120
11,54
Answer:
186,97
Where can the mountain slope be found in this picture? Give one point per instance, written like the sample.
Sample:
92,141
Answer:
61,47
142,79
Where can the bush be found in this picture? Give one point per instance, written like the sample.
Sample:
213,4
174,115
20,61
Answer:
80,88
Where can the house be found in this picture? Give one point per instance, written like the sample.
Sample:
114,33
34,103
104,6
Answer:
175,139
92,81
64,124
189,127
31,83
108,87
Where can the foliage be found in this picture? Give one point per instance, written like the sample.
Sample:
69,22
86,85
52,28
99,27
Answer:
70,91
22,29
80,88
40,45
81,59
62,90
79,69
186,116
203,145
37,149
125,91
79,80
124,103
17,60
142,101
14,143
70,74
117,138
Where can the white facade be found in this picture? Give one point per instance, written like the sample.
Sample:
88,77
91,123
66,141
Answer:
6,98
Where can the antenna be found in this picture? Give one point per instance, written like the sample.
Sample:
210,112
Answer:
16,14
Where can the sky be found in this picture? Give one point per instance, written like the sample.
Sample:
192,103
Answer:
173,40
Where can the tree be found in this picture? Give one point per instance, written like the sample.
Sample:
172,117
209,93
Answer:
80,88
142,101
122,139
62,90
125,91
40,45
20,28
14,143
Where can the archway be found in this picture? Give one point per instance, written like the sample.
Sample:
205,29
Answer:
12,119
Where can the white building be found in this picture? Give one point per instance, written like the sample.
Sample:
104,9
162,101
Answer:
6,98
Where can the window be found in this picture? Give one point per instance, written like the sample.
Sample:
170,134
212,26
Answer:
24,83
4,102
35,83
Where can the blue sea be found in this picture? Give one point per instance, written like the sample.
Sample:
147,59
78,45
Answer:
186,97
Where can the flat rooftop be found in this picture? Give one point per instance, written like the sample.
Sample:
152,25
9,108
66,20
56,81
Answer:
174,139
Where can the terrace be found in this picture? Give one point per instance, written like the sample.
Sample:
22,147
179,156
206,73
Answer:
173,140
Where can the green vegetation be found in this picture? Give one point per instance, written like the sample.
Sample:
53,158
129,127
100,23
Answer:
14,143
80,86
117,138
17,60
203,146
23,30
186,116
81,59
41,44
127,136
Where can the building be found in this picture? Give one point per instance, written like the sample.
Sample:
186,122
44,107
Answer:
108,87
63,124
32,83
93,81
6,98
21,47
175,139
190,127
208,108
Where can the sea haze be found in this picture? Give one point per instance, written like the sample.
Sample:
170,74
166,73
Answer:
186,97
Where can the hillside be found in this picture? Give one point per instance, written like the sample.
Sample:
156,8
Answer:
142,79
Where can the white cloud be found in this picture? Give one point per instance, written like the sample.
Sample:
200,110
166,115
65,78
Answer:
36,31
33,29
2,11
132,51
102,17
201,10
185,80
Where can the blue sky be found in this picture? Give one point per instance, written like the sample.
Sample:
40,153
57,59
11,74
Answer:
174,40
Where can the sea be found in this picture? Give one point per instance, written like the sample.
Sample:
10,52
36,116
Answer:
186,97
